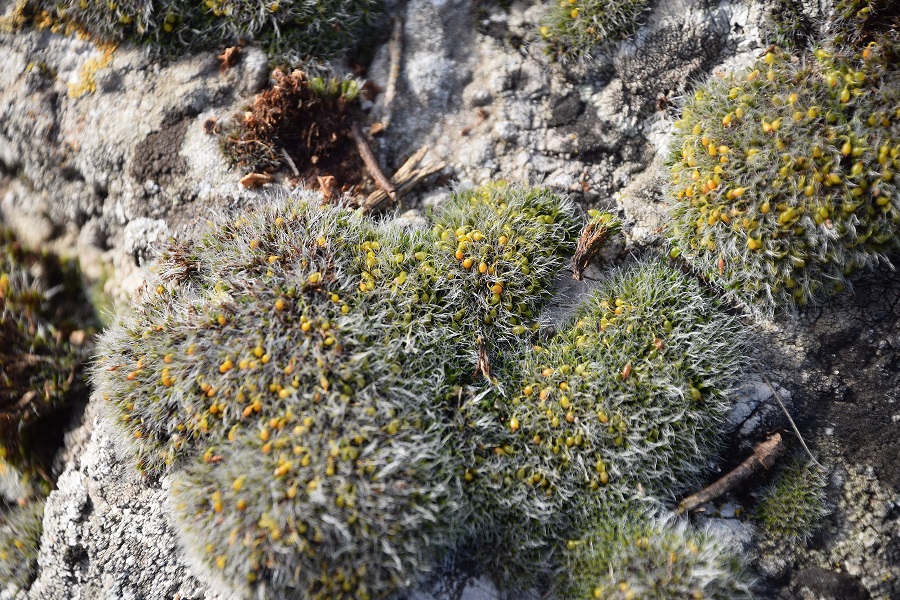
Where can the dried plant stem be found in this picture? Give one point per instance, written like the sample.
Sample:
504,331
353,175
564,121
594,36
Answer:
405,179
763,457
592,238
365,152
484,361
396,51
290,162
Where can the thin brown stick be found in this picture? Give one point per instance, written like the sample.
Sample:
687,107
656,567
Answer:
290,162
763,457
407,167
396,51
365,153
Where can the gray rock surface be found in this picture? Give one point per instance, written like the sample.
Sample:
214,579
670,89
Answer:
105,535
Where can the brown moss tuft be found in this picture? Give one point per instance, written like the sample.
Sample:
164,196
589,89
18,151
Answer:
307,120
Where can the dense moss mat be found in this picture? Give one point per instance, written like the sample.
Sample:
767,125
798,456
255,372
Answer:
46,327
342,402
289,30
782,178
573,28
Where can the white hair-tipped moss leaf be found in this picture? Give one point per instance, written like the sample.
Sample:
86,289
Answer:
290,30
20,541
573,28
46,326
498,249
782,178
632,556
298,368
626,400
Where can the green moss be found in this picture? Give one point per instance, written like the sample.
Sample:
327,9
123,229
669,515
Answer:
335,399
858,22
782,179
20,541
46,325
793,507
290,30
788,26
297,366
644,557
42,305
624,401
573,28
498,249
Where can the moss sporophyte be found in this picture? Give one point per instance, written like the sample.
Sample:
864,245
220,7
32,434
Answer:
306,376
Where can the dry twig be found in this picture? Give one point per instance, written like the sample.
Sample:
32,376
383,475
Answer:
365,152
396,51
788,415
484,362
763,457
290,162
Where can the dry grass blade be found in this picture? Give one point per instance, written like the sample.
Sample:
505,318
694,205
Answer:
593,236
407,177
484,362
